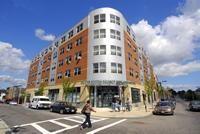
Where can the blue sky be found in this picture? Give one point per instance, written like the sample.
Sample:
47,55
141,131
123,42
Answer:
19,20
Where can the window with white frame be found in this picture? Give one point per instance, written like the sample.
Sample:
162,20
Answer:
114,19
79,28
113,50
59,75
99,33
102,49
77,71
114,34
119,52
79,41
99,18
62,50
70,34
120,68
102,33
113,68
67,73
78,55
68,59
54,55
96,50
69,46
95,67
102,67
63,39
60,63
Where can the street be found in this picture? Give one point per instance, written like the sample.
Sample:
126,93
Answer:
42,121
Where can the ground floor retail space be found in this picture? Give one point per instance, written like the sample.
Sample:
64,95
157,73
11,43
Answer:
100,96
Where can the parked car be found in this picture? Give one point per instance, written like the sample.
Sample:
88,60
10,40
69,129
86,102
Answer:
194,106
40,102
13,102
163,107
63,107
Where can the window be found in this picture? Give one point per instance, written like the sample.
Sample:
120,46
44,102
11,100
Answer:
102,49
63,39
99,33
96,34
60,63
113,68
56,44
47,68
74,96
131,72
79,41
49,57
68,59
95,68
46,79
54,55
120,68
135,95
96,50
67,73
70,34
118,35
128,30
102,67
114,19
62,50
77,71
102,33
119,53
114,34
102,18
79,28
78,55
96,19
69,46
113,50
59,76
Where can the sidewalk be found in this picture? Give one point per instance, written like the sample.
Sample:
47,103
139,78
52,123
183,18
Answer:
137,112
3,127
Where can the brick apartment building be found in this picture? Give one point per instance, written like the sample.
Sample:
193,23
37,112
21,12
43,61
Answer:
101,54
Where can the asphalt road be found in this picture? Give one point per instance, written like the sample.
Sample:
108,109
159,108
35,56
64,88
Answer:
43,121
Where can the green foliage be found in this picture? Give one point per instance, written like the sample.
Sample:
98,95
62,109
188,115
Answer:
68,86
40,91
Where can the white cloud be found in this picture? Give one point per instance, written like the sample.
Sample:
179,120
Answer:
172,42
12,81
11,59
40,33
176,69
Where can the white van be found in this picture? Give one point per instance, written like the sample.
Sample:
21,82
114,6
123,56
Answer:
40,102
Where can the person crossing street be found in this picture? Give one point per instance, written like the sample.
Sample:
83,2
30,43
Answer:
87,112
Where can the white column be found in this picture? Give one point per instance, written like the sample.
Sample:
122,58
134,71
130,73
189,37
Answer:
95,96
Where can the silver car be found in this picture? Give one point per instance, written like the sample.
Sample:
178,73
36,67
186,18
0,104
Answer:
163,107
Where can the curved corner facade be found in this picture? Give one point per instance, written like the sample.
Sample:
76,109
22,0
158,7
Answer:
100,54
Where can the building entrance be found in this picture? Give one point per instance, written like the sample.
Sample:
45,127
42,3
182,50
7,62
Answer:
104,95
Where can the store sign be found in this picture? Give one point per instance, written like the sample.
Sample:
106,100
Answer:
106,83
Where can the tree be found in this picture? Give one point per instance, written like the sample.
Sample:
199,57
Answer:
68,87
148,89
40,91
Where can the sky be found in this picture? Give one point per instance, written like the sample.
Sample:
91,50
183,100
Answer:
169,30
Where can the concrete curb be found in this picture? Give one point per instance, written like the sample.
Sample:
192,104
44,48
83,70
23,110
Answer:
3,127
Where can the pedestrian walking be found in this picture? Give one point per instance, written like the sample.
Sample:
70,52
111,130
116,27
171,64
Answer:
119,104
113,103
87,112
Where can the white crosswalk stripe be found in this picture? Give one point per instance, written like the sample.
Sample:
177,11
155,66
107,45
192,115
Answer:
75,119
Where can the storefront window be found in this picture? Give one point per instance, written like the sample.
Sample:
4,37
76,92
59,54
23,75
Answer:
135,95
74,96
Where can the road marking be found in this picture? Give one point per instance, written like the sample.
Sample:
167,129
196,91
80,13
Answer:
105,127
42,130
64,129
73,120
60,124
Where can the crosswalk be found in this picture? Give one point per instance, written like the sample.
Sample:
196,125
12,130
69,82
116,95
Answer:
62,124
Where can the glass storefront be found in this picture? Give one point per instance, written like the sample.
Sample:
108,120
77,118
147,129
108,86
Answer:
135,95
53,94
104,95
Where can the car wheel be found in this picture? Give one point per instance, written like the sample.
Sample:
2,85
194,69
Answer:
61,111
